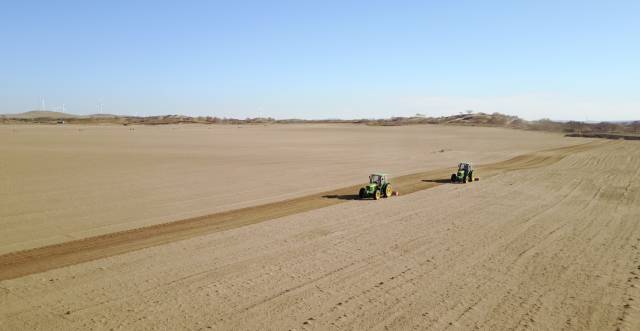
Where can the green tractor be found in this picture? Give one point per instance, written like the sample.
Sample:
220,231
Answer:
378,187
464,174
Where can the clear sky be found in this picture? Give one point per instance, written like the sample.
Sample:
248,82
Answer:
324,59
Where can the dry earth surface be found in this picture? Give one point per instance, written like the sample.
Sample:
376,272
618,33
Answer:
60,183
548,240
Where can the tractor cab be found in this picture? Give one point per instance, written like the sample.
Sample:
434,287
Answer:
378,179
465,166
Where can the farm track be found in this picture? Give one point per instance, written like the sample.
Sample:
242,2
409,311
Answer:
22,263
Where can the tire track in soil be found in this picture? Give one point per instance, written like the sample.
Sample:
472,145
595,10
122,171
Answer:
629,312
22,263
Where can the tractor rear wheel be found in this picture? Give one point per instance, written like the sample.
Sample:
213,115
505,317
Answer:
362,194
376,194
388,190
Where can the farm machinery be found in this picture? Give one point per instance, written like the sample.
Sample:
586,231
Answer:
378,187
464,173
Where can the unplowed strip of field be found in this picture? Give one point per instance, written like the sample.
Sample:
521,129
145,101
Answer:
45,258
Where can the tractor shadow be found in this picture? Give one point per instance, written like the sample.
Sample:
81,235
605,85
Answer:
439,181
342,196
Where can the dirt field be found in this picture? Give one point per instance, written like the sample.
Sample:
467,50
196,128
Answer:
545,240
61,183
555,244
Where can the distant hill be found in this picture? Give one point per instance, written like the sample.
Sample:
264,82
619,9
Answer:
40,114
465,119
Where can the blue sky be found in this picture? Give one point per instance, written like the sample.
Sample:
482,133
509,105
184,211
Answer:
555,59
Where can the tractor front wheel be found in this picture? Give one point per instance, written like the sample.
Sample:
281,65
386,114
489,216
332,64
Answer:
376,194
388,191
362,194
454,178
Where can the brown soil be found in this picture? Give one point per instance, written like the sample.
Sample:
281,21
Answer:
41,259
546,241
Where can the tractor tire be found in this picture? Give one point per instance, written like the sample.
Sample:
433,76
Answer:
362,194
388,191
376,194
470,179
454,178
